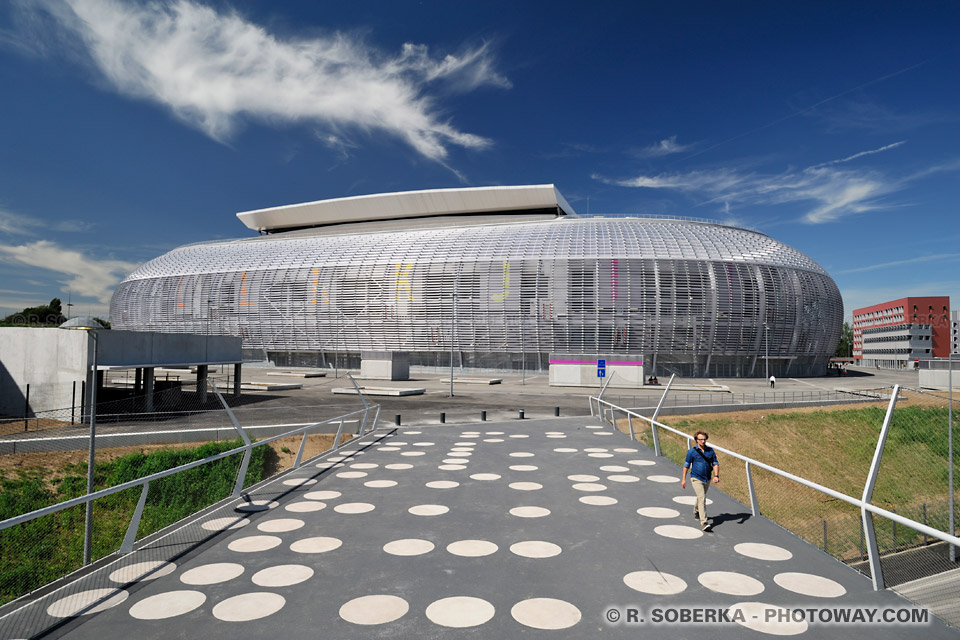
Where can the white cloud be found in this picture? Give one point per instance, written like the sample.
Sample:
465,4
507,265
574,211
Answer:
21,224
939,257
87,277
665,147
213,70
831,192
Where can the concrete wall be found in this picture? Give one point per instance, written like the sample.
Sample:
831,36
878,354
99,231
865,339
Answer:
585,375
385,365
137,348
939,378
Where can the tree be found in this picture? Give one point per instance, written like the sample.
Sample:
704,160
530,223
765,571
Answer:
845,347
45,316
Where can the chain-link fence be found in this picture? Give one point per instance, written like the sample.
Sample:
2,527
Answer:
48,466
835,447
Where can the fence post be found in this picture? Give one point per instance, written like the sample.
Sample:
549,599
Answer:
630,424
131,535
73,404
754,505
26,408
656,414
873,553
825,537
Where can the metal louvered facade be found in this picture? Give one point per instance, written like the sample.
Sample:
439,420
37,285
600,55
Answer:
689,297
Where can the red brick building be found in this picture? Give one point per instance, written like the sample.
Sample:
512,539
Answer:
892,335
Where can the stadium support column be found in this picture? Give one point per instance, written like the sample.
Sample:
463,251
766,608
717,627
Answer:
202,382
148,389
236,379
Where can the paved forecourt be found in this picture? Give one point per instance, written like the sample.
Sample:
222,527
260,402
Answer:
542,527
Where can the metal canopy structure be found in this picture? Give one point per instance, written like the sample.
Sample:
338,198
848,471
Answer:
692,297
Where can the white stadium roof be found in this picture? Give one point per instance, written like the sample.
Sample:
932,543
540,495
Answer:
407,204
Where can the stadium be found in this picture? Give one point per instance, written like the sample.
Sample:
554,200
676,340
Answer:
502,277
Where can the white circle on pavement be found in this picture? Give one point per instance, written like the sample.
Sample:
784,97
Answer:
582,477
565,450
322,495
690,500
598,501
388,448
808,584
283,575
663,479
641,463
589,486
535,549
730,583
560,435
525,486
378,609
529,512
553,433
523,467
520,435
167,605
658,512
380,484
77,603
442,484
592,426
280,525
470,435
424,444
495,433
678,531
472,548
460,454
408,547
212,573
600,455
305,507
396,466
614,468
452,467
413,453
521,454
626,450
364,465
336,459
220,524
460,461
256,505
623,478
428,510
412,433
251,544
545,613
766,618
398,443
654,582
596,450
354,507
602,433
485,476
460,612
462,449
762,551
150,570
299,482
469,445
493,439
319,544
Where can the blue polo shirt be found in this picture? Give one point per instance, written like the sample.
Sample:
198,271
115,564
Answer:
699,468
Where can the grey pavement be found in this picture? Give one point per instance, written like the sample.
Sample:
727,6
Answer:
547,528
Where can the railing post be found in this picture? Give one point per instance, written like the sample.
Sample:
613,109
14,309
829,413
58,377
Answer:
630,424
754,505
873,553
131,535
656,414
336,440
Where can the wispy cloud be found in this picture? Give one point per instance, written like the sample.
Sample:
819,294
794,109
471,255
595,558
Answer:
86,276
215,69
832,192
24,225
944,257
866,115
665,147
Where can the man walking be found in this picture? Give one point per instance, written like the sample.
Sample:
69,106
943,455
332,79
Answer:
702,462
773,382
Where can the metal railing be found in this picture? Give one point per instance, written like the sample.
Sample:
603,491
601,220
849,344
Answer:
601,408
128,542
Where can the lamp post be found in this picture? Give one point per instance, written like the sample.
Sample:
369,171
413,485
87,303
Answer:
88,324
766,348
453,331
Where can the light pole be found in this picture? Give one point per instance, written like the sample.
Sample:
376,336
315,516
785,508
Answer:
953,549
766,348
453,331
88,324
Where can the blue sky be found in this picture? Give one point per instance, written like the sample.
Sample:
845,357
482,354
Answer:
130,128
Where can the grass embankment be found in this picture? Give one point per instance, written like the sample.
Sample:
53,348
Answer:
45,549
833,448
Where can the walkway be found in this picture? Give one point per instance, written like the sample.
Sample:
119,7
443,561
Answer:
547,528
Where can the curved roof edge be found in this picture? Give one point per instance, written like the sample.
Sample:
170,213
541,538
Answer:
407,204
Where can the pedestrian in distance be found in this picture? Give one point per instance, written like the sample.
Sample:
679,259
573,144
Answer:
701,462
773,382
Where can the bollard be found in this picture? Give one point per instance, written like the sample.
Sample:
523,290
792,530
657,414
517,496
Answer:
443,417
396,420
483,416
556,411
521,414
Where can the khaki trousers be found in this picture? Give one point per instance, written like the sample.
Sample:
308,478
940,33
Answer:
700,488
